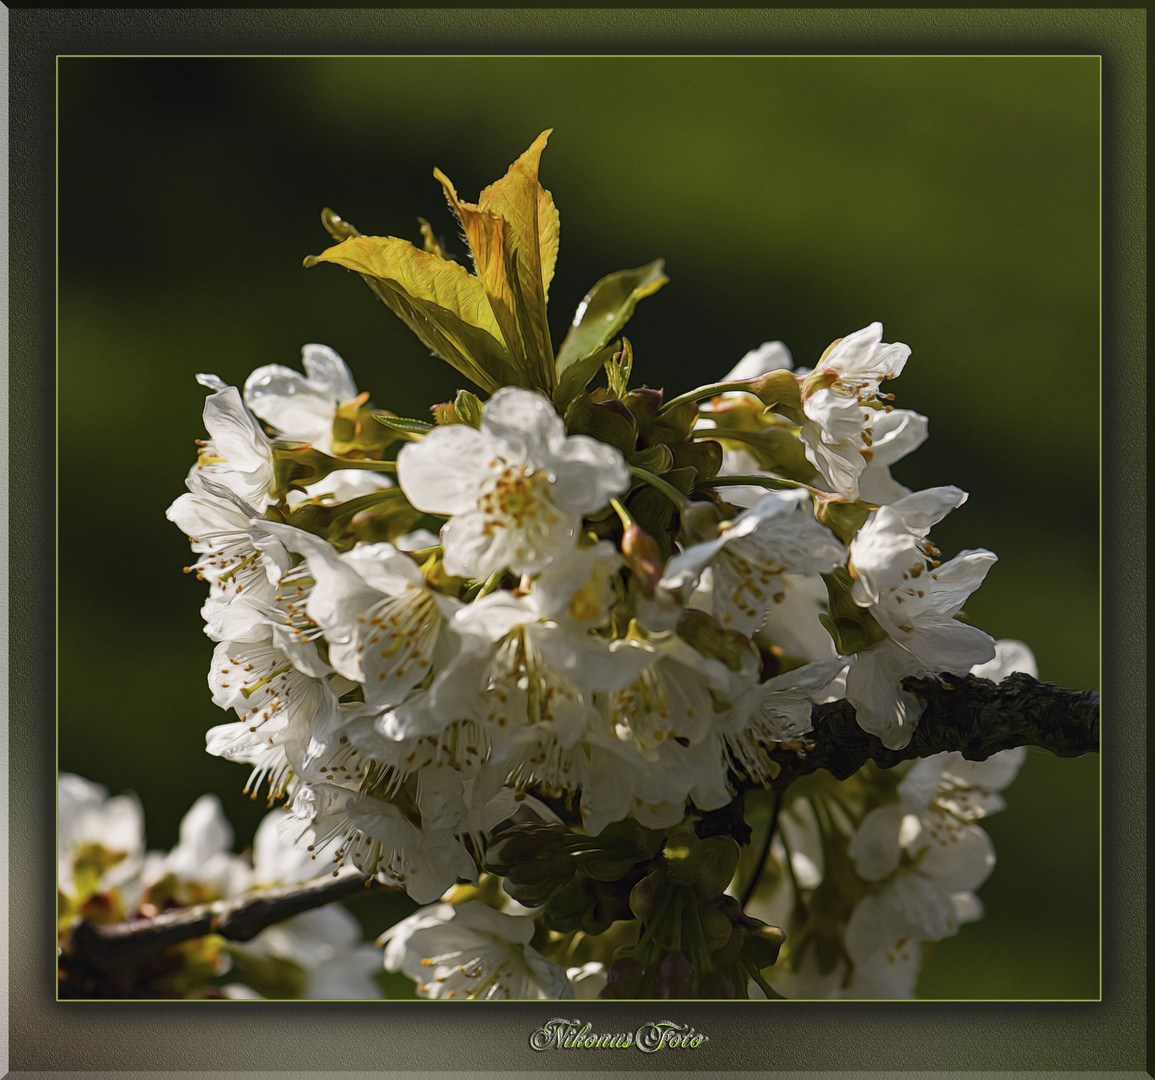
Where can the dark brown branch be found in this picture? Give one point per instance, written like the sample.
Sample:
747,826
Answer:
106,948
963,713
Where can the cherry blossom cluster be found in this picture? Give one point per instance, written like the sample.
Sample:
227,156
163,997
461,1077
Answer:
407,696
541,637
106,875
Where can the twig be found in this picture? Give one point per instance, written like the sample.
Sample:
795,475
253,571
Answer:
107,948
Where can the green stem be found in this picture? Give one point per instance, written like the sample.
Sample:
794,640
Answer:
764,852
699,948
623,513
664,486
709,391
656,917
766,989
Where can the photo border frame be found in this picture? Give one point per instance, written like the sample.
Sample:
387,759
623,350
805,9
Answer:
371,1038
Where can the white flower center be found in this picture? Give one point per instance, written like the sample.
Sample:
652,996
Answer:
515,499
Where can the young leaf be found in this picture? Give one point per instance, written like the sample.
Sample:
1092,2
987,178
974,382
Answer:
513,233
440,301
534,225
336,227
606,308
430,242
400,423
577,376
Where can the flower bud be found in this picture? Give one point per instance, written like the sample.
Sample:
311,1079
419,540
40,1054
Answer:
643,557
601,868
699,521
729,907
645,841
534,881
566,907
522,843
680,852
468,408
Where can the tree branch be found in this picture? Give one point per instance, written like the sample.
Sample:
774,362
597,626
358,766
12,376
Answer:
963,713
110,947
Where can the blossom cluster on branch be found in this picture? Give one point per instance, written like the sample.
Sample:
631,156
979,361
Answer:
517,659
107,878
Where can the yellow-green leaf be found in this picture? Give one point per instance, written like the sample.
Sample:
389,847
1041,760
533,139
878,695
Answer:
519,199
440,301
512,233
336,226
488,239
429,241
606,308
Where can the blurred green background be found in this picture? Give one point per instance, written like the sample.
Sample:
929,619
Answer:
955,199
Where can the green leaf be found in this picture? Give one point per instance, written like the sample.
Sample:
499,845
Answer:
513,233
607,421
336,227
606,308
535,227
488,239
399,423
703,455
777,450
440,301
619,368
654,514
430,242
576,377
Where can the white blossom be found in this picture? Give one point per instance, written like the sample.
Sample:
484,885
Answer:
106,834
471,951
202,864
320,953
238,455
516,489
915,600
302,407
841,401
749,559
931,855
